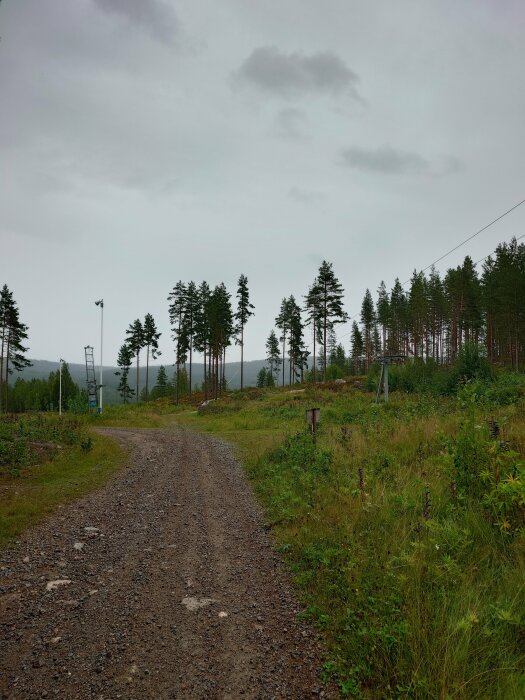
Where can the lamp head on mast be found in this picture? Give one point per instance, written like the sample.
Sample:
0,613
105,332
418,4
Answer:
100,303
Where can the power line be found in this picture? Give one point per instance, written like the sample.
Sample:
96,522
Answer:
471,237
459,246
488,256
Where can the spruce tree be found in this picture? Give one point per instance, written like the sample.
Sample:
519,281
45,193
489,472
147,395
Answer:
243,313
261,378
124,360
273,354
151,342
357,348
161,388
368,321
135,343
331,301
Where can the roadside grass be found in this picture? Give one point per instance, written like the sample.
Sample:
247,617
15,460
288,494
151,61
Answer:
403,548
41,488
158,414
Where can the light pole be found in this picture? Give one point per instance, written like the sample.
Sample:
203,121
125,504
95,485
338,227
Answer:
100,303
60,388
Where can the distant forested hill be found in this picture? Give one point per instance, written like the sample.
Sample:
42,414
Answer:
42,368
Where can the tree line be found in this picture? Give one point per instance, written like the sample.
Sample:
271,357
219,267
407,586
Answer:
431,319
437,315
44,394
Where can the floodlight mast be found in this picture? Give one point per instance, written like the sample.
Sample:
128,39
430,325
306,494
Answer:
60,389
100,303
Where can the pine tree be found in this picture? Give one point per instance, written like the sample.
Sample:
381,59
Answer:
177,297
331,303
151,342
314,315
124,360
397,336
273,354
436,315
201,338
220,319
283,324
297,352
418,313
243,313
192,304
135,343
383,315
12,334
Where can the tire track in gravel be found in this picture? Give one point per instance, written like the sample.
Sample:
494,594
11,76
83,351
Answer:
178,529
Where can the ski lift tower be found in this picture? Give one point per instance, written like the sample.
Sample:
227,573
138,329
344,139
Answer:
385,361
91,379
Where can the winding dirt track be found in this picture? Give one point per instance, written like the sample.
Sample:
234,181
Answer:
174,591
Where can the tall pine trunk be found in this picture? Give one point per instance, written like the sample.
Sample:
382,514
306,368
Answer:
6,383
205,383
284,348
242,355
325,324
2,368
223,382
137,383
313,366
147,369
191,351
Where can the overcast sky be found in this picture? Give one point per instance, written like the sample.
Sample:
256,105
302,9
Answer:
147,141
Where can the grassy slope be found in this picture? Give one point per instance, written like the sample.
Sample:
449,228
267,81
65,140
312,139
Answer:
41,488
418,592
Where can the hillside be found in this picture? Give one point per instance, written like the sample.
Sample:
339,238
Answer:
41,369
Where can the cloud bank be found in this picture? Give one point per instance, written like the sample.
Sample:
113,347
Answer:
294,75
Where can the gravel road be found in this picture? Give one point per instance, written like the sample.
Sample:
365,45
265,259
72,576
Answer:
161,585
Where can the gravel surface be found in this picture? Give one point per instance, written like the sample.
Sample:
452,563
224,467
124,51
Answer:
161,585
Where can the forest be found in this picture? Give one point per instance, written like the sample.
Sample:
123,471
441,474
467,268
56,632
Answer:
428,319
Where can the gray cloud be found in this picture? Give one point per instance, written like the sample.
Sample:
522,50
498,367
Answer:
384,159
289,124
305,196
156,16
296,74
394,161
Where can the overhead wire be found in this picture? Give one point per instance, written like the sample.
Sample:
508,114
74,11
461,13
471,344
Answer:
471,237
452,250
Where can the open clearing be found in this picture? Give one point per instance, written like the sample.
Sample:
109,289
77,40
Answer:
163,584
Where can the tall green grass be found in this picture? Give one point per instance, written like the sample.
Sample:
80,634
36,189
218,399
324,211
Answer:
404,547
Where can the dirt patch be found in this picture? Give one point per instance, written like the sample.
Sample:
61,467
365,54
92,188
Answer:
180,524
